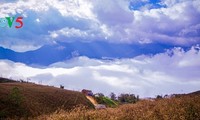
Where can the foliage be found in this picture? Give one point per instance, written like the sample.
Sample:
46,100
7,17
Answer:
106,101
109,102
113,96
128,98
15,96
159,97
99,100
12,104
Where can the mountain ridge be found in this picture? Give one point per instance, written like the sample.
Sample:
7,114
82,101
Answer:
49,54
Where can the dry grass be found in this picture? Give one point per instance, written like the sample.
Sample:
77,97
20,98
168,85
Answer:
182,108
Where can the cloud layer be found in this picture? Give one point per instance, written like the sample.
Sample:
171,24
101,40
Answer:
127,21
175,71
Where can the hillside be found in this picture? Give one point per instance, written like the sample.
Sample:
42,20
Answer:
5,80
109,102
106,101
195,93
183,107
28,99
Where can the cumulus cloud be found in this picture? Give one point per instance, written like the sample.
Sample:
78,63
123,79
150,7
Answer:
165,24
52,15
175,71
172,22
112,12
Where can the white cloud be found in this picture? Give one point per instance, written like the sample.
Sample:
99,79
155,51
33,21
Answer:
52,16
80,8
37,20
175,71
67,32
177,23
166,24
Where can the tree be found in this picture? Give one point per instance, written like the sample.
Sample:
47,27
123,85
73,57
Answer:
113,96
99,98
159,97
127,98
138,98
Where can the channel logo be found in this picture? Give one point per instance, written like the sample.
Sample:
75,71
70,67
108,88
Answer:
7,22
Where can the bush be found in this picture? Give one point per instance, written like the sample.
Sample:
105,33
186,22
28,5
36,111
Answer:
15,97
16,106
128,98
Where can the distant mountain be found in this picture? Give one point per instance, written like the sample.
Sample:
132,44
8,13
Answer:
49,54
196,93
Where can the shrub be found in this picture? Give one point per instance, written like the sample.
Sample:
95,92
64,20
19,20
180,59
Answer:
15,97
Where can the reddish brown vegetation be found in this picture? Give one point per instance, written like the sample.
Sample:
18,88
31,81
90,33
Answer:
37,100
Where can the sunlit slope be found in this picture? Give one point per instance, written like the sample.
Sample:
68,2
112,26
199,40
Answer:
25,99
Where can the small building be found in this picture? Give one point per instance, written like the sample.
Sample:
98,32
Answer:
87,92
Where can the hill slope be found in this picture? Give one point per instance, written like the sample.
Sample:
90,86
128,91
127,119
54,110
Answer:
5,80
26,99
183,107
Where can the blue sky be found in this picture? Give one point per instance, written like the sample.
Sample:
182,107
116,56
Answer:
173,25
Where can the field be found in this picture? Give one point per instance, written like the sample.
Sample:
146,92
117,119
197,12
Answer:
186,107
29,100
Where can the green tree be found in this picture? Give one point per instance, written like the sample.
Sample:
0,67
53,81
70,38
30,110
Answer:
127,98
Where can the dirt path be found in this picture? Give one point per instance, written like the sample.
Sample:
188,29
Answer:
92,100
